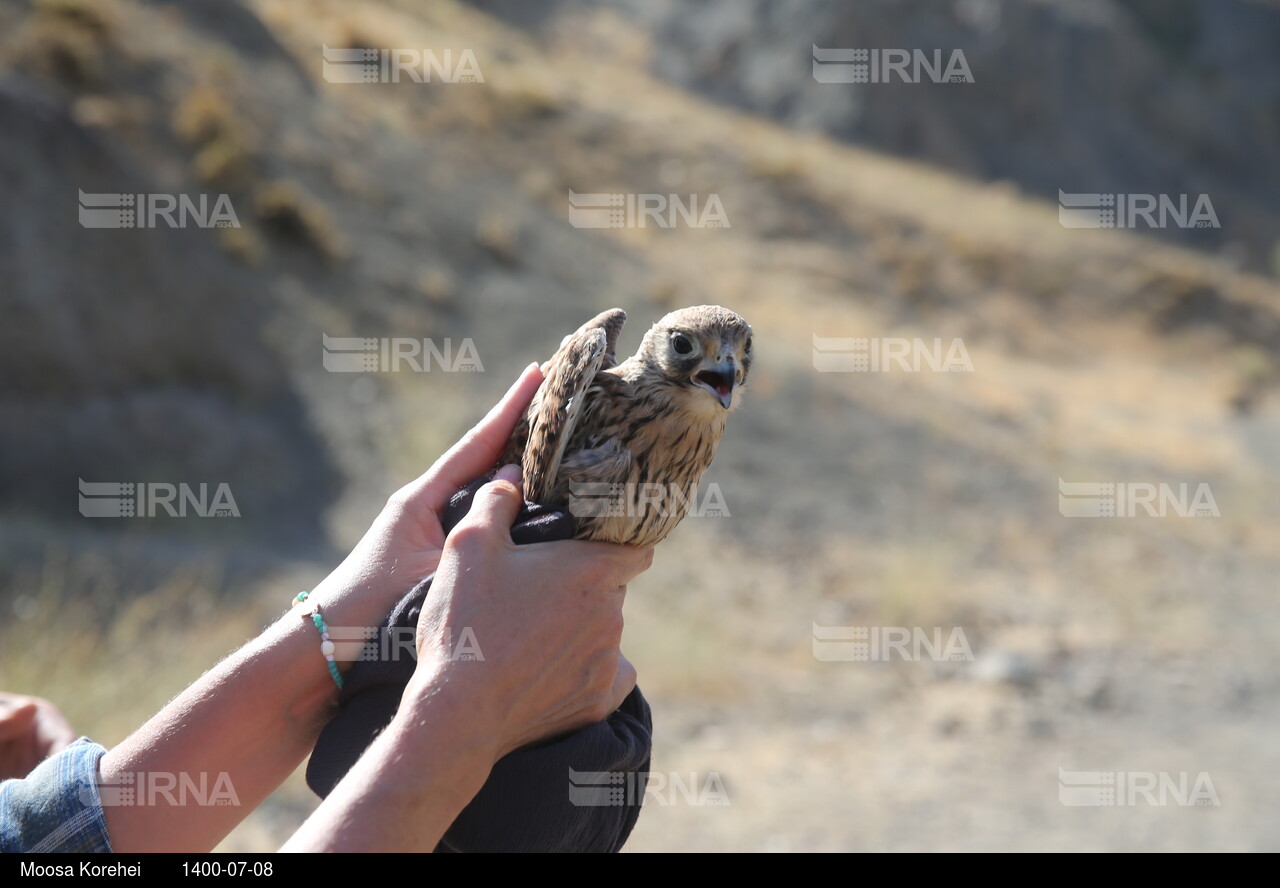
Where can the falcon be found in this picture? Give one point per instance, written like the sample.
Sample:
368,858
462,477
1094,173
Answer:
644,429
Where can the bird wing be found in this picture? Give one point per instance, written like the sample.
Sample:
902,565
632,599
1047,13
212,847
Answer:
610,322
556,407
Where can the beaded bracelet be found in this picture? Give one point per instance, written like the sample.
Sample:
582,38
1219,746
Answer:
326,646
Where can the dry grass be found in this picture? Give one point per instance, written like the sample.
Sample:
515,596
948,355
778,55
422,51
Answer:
223,139
67,41
288,213
110,654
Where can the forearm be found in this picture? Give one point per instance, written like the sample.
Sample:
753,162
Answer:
410,784
253,718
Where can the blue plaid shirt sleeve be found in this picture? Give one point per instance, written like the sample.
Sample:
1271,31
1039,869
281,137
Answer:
56,807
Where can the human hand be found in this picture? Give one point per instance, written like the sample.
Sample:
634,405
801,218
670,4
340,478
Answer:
546,619
405,541
31,730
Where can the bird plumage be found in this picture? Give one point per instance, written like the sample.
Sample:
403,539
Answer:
624,445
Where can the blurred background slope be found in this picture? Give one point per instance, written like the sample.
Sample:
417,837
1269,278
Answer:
883,499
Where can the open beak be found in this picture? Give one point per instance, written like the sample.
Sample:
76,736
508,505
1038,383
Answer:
718,380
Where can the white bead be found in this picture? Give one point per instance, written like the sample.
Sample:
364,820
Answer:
326,648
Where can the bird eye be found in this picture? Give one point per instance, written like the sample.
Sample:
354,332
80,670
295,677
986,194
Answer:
681,344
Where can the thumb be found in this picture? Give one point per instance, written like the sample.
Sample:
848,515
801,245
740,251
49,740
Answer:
496,504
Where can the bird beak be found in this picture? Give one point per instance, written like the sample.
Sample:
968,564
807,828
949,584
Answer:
719,379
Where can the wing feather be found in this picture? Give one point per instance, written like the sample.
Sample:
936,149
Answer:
554,412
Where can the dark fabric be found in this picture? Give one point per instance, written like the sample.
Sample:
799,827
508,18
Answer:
528,802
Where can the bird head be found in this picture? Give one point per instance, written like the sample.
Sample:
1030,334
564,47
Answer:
705,348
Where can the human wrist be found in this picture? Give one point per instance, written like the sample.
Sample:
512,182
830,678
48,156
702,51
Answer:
409,785
439,718
439,696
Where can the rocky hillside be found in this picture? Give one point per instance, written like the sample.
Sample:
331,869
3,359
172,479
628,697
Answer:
1129,96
